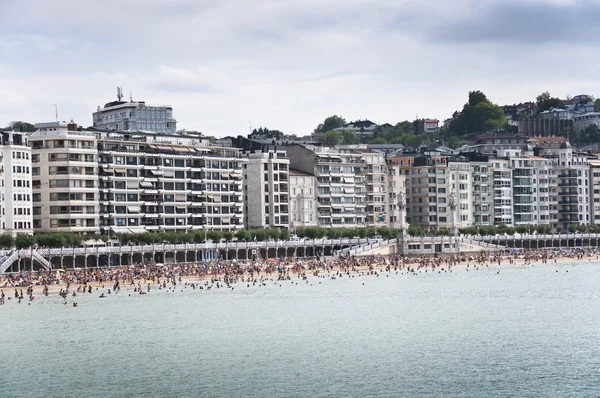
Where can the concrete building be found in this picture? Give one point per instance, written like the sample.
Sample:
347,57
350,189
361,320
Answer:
375,183
303,202
595,191
573,186
16,193
461,184
90,181
580,122
65,179
427,189
266,189
339,180
152,182
396,192
135,116
540,127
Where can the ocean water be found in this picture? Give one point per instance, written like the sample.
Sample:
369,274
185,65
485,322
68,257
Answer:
525,332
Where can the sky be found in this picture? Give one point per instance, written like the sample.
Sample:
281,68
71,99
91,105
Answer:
230,65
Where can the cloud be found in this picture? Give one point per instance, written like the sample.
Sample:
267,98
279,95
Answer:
288,64
181,80
517,22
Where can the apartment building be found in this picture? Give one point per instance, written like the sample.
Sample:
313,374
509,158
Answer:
110,182
152,182
266,189
482,182
428,187
303,201
16,191
375,170
339,181
461,185
573,186
65,179
594,191
396,191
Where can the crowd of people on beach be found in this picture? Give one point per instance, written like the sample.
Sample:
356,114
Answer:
141,277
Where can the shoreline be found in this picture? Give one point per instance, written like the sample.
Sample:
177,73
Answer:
288,269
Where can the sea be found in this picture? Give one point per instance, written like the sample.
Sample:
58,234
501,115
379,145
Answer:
523,331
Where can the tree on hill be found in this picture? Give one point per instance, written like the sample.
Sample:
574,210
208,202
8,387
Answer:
330,123
402,133
478,115
263,132
23,127
339,137
545,102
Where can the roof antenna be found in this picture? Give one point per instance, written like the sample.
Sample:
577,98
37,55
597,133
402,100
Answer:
130,97
119,94
56,112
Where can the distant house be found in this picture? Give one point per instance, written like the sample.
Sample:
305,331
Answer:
580,122
360,127
431,125
557,113
581,104
546,143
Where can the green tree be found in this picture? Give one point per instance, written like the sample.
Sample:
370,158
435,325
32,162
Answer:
379,141
243,235
545,102
330,123
331,138
7,241
285,234
22,127
263,132
478,115
228,236
597,105
24,240
339,137
349,138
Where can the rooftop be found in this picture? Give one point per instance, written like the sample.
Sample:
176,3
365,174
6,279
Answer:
298,173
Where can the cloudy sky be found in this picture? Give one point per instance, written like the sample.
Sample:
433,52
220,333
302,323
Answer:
287,64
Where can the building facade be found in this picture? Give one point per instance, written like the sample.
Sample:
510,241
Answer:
266,190
65,179
16,192
135,116
114,182
303,202
339,181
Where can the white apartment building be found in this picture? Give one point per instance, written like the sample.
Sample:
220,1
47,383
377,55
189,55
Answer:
595,191
483,199
16,194
376,186
339,180
266,189
65,179
395,190
376,210
503,192
303,202
135,116
428,189
461,184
